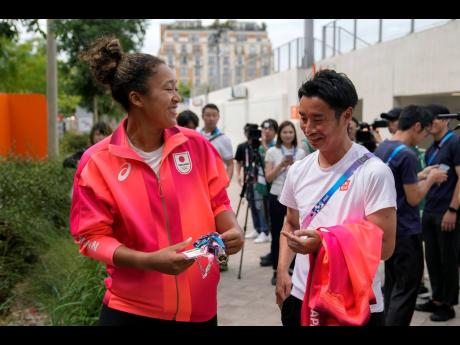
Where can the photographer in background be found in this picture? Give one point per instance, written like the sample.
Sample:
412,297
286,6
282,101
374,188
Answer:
244,161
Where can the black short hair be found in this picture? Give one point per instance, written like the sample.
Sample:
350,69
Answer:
102,128
271,122
185,117
436,109
209,105
412,114
336,89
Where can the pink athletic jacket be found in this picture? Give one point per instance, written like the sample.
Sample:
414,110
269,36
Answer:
118,199
339,284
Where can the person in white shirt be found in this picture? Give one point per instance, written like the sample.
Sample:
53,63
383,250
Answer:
326,108
278,159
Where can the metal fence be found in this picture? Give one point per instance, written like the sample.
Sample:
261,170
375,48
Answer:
345,35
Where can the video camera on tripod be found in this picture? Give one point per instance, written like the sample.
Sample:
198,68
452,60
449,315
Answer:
364,134
254,135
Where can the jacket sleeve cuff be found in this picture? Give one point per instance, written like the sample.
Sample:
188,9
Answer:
100,249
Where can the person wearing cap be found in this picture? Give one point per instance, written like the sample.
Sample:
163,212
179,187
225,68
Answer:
404,270
440,221
392,117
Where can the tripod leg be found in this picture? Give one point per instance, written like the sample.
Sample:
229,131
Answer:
242,249
238,209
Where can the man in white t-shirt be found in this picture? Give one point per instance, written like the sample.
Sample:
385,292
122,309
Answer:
210,115
326,108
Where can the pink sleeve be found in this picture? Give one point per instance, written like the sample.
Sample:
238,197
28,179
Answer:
91,223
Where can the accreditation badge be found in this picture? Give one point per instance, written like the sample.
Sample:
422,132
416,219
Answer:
183,162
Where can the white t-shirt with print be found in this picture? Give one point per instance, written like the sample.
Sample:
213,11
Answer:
275,155
222,143
370,189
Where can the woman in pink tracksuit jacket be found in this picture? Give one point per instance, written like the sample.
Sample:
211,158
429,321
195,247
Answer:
144,194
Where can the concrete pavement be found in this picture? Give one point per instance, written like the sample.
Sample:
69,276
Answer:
250,301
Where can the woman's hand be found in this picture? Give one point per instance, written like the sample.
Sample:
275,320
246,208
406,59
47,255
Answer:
170,260
233,240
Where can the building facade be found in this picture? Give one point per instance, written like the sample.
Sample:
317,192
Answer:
216,56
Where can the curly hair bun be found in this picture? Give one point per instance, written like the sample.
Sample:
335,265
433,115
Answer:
103,57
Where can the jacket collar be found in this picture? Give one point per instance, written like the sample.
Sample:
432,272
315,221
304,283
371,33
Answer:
119,145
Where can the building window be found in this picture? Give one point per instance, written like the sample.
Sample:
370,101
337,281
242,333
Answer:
211,72
226,60
197,60
197,72
251,72
183,49
171,60
240,38
211,59
239,59
252,49
194,38
184,72
266,70
183,59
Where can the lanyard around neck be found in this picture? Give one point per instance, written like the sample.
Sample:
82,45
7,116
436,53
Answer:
323,201
395,152
283,152
443,141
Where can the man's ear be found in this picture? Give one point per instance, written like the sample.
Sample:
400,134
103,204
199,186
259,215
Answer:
348,114
417,127
135,99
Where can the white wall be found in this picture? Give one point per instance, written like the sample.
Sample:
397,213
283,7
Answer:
268,97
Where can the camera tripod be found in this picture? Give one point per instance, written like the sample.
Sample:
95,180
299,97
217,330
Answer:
250,179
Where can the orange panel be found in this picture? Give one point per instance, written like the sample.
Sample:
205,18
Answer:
5,135
29,125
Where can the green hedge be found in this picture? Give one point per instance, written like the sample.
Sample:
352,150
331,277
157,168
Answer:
72,142
34,209
36,248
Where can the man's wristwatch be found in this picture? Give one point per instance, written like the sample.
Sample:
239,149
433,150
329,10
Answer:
451,209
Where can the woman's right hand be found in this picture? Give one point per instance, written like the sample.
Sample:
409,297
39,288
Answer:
283,287
169,260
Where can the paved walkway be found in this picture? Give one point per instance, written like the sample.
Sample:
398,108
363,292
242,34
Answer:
250,301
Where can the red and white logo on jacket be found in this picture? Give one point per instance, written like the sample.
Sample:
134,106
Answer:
183,162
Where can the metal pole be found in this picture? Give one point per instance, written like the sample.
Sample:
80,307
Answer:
412,26
218,58
278,58
51,90
355,32
324,42
333,37
289,55
309,44
380,29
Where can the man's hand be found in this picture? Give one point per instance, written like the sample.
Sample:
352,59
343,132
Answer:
449,221
437,176
303,241
283,287
233,239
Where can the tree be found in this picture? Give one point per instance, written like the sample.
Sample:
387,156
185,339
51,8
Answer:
23,66
184,90
76,35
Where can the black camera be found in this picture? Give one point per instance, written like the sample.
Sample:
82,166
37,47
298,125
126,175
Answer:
365,137
254,135
379,124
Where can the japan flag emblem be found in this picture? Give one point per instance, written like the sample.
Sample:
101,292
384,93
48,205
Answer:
183,162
